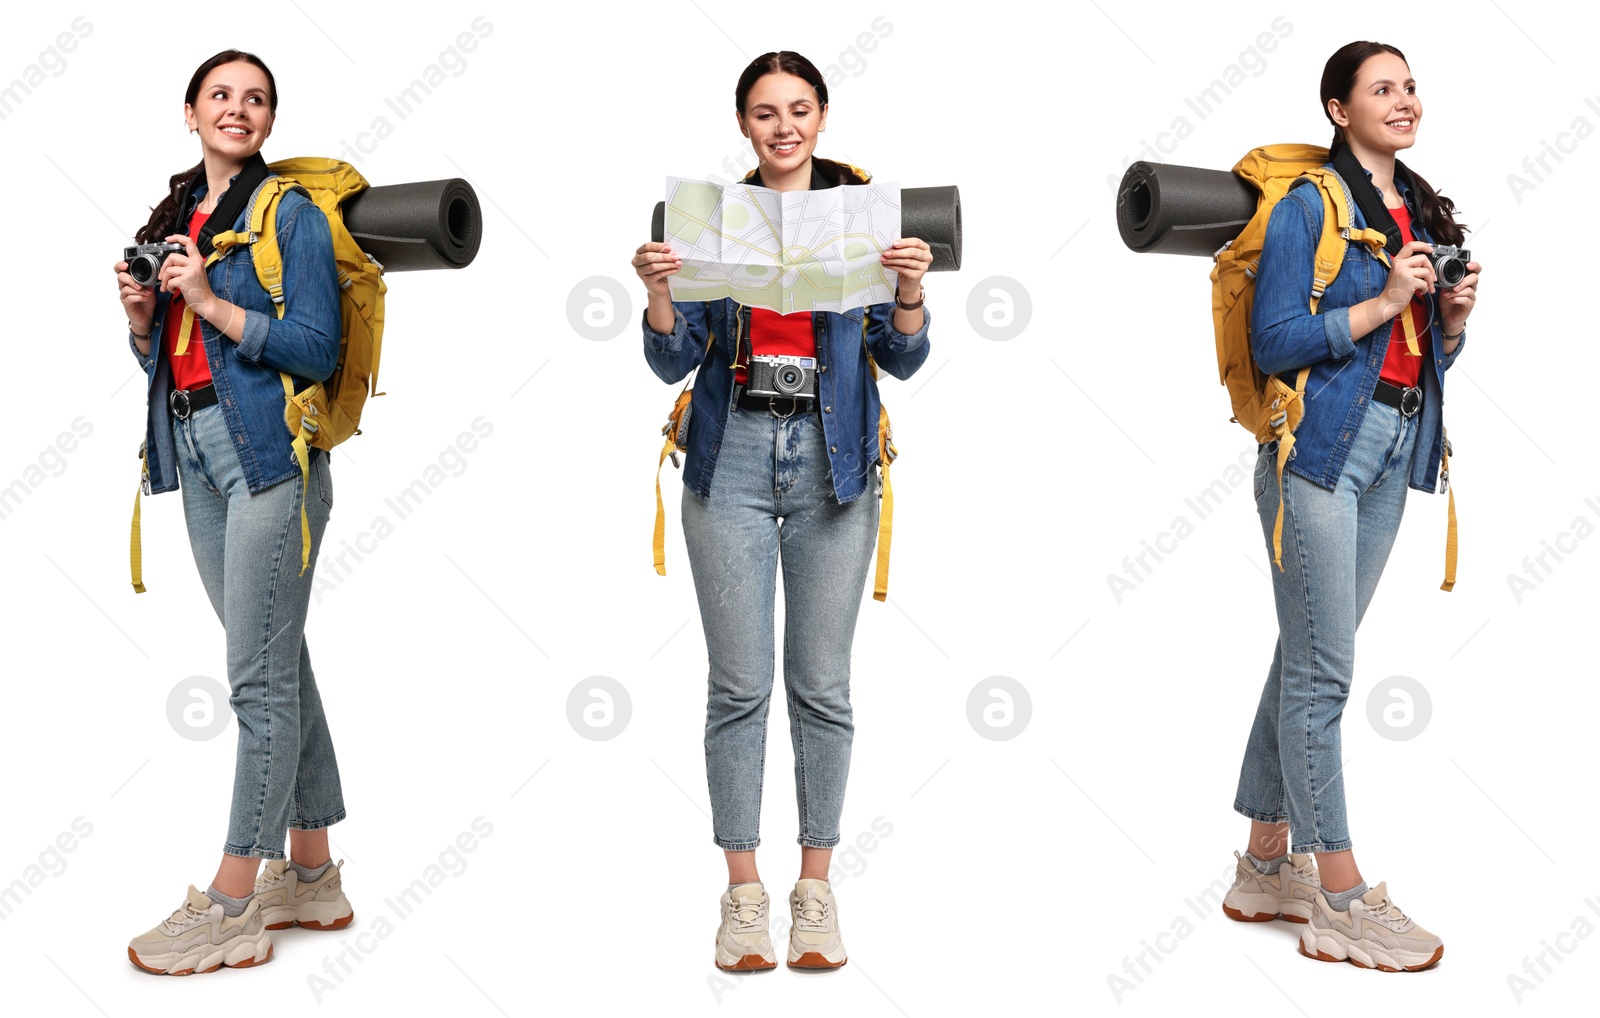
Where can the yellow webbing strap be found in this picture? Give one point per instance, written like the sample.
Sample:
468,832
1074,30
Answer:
135,545
1285,446
186,328
658,543
886,454
1450,533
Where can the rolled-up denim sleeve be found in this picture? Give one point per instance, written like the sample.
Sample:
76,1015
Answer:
672,355
145,360
896,352
1461,343
305,341
1284,334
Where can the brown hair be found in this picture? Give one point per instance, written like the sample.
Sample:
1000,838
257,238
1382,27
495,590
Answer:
786,62
1436,212
164,216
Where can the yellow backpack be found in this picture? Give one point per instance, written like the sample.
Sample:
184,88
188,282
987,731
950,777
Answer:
1267,407
325,413
887,452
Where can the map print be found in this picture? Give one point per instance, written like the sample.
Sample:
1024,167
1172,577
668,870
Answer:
785,251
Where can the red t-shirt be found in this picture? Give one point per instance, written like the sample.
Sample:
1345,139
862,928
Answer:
1399,367
191,370
773,334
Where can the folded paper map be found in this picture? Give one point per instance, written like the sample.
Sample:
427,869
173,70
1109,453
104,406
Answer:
785,251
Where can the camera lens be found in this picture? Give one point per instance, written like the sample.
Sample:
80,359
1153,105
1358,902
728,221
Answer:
1451,272
788,378
142,269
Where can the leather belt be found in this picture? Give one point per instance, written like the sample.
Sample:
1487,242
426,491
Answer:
778,406
1406,399
184,402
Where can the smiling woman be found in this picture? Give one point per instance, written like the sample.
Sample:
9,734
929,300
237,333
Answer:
212,343
776,474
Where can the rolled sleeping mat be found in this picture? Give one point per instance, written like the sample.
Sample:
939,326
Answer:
932,214
431,224
1185,210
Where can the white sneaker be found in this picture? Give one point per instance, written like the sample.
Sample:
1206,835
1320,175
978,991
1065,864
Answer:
814,941
1374,934
1287,894
287,901
199,937
742,941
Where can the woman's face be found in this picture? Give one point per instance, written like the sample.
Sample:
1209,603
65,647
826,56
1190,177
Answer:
1384,110
782,118
232,112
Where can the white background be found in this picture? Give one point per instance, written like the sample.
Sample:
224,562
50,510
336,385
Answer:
1018,874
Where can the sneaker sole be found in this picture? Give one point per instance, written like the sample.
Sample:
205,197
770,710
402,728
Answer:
311,924
1320,955
816,960
243,963
749,963
1239,917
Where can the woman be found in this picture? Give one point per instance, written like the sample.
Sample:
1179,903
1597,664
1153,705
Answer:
1372,428
770,479
212,348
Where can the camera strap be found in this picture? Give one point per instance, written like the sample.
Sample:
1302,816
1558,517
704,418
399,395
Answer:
1373,210
233,201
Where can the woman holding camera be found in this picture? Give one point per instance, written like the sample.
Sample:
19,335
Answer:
773,479
1372,429
212,348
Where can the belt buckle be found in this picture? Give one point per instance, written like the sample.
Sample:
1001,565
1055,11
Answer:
182,413
1410,401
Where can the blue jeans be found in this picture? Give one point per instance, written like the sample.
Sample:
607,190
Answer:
772,499
1335,544
247,548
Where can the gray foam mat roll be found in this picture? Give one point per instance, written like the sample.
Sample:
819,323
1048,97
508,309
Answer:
431,224
932,214
1168,209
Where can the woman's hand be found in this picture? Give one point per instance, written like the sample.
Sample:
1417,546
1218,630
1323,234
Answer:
1457,302
655,263
138,302
908,258
184,274
1410,274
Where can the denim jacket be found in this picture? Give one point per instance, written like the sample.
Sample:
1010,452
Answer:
847,395
1286,337
305,343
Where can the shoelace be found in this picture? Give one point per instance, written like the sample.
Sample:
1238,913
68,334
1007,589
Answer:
739,907
1388,913
811,915
183,917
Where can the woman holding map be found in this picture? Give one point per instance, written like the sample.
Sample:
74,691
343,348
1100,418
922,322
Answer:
782,437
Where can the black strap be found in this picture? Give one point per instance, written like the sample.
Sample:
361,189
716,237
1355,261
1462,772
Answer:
233,201
1373,210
